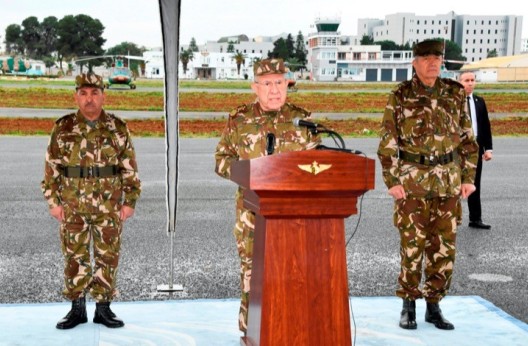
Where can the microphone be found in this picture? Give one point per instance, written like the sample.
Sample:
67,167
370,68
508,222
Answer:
305,123
270,143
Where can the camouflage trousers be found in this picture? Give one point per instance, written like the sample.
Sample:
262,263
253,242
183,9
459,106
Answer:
427,236
244,234
77,233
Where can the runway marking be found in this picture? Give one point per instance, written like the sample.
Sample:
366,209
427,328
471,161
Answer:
488,277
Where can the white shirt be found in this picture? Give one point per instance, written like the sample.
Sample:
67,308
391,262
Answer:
473,112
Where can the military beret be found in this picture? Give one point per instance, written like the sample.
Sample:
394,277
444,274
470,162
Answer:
428,47
90,80
269,66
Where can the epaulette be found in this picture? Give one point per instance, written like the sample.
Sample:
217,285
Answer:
452,82
240,109
115,118
403,84
299,109
64,117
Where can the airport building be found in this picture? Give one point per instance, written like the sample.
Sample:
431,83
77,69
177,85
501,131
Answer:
476,35
335,57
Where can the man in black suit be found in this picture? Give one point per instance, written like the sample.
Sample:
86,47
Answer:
476,107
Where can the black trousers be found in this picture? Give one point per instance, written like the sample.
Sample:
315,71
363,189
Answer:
474,206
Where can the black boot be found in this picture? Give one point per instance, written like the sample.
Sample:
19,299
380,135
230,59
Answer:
105,316
76,316
408,315
433,314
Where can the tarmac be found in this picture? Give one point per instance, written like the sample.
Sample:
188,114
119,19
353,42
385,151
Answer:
487,301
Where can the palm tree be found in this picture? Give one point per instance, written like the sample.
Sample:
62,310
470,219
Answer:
185,57
240,59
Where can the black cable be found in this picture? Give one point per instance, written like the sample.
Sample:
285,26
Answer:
360,213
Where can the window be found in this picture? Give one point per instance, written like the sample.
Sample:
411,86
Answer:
356,56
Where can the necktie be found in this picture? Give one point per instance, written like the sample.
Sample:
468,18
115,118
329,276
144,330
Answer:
473,115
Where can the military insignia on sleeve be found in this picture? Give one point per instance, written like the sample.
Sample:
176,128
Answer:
314,168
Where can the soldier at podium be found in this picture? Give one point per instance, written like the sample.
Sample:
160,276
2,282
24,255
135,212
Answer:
428,156
254,130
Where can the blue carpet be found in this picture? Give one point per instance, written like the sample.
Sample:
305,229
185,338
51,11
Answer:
214,322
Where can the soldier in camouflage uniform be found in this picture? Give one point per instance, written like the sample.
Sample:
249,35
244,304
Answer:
246,136
428,156
91,185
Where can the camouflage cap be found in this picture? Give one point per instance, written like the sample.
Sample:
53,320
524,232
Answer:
90,80
428,47
269,66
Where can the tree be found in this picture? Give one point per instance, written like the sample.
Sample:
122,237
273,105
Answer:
300,49
290,45
48,37
388,45
493,53
192,45
366,40
80,36
48,62
453,52
125,48
280,50
186,56
13,39
240,59
31,36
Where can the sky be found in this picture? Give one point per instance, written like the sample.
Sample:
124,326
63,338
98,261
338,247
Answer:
138,21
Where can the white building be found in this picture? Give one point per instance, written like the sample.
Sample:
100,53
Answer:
154,65
334,57
212,61
524,45
476,35
207,65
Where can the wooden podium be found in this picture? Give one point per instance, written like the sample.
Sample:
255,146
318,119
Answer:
299,283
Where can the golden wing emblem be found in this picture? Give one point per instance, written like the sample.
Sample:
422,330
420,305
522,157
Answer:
314,168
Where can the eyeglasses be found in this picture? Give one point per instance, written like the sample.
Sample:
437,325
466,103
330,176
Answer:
268,84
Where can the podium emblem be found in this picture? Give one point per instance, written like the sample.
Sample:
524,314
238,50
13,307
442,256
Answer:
314,168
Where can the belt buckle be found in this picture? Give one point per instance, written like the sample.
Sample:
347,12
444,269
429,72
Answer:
89,171
432,160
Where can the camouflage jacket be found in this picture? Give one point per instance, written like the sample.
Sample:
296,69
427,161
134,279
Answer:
244,136
427,121
74,143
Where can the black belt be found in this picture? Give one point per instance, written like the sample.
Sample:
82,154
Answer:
431,160
90,172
